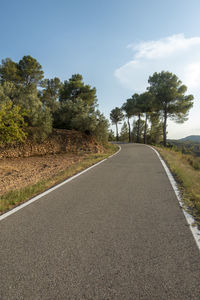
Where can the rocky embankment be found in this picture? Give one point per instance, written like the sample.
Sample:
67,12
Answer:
60,141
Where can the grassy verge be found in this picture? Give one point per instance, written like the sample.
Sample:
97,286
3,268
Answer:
16,197
186,170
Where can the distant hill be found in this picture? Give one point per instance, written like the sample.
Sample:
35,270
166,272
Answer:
190,138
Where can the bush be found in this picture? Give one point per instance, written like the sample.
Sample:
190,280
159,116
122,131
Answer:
12,124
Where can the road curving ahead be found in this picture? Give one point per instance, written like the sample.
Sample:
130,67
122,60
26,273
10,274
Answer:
115,232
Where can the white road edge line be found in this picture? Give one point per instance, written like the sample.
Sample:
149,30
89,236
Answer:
14,210
190,220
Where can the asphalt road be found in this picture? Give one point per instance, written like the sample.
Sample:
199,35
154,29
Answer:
115,232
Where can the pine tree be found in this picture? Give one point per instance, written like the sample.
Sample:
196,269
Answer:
170,98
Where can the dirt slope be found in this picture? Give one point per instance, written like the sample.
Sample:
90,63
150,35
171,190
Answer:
25,164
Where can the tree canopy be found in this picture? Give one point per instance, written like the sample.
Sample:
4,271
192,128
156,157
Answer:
116,117
165,98
46,103
75,88
169,98
30,71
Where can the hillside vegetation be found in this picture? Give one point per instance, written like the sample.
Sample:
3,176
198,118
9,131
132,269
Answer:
31,105
185,146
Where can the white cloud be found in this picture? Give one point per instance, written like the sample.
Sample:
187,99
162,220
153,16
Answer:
177,54
164,47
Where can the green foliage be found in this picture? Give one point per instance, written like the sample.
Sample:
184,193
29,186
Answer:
71,105
111,135
138,111
27,71
165,98
37,116
155,133
50,93
124,134
169,98
26,98
4,98
9,71
186,147
42,126
82,119
30,71
138,130
76,114
12,125
101,130
136,105
19,85
77,109
145,102
74,88
116,117
129,107
73,114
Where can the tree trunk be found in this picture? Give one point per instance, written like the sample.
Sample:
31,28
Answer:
145,130
117,136
138,130
165,129
129,131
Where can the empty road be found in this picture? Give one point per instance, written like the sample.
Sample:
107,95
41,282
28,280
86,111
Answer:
115,232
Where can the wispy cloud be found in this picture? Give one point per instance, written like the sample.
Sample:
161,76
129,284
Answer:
175,53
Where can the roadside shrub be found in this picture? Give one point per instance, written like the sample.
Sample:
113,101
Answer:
12,124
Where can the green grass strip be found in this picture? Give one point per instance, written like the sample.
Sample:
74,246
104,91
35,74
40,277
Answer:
186,171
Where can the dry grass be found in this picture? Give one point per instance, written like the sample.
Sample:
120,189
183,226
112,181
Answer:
186,170
18,196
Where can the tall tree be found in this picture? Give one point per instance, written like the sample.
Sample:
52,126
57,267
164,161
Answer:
138,130
111,135
124,134
30,71
27,71
170,98
129,107
50,94
75,88
101,131
156,129
27,99
145,103
75,99
116,117
137,112
132,107
9,71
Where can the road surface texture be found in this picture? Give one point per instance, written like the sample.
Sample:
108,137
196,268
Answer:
115,232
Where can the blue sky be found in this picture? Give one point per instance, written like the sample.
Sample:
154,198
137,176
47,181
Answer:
114,44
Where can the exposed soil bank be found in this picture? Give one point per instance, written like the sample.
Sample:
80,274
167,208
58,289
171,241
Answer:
23,164
60,141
